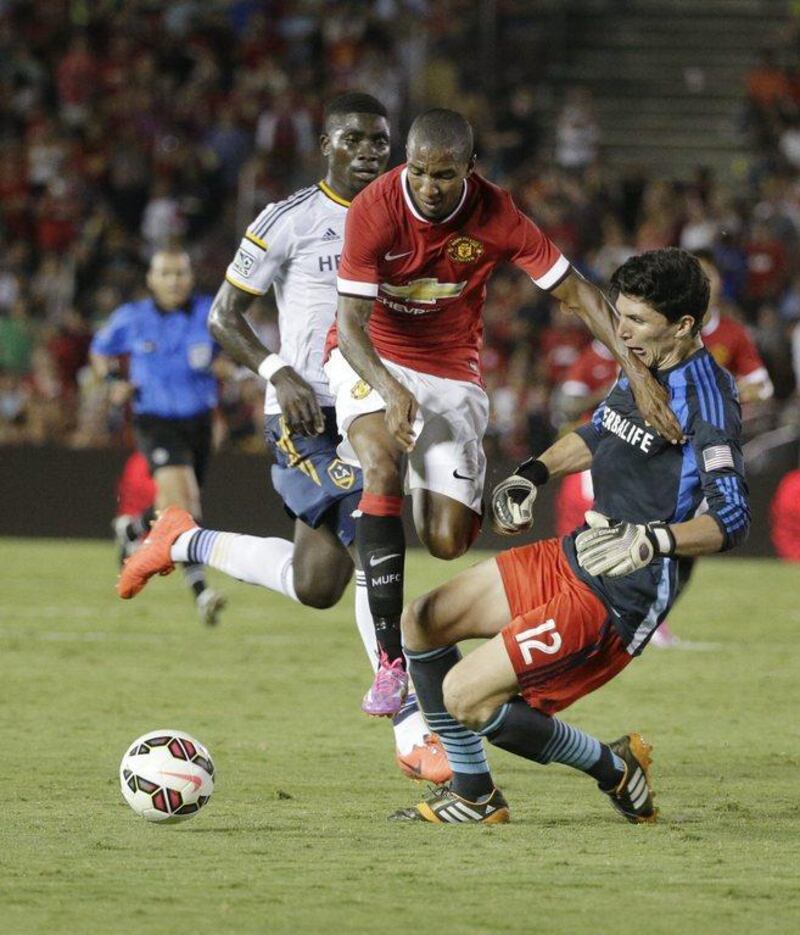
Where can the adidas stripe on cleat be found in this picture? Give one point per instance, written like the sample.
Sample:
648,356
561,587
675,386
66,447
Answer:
444,807
633,797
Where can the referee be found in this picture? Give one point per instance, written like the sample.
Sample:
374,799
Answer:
172,390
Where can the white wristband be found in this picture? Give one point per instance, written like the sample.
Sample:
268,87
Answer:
665,539
270,365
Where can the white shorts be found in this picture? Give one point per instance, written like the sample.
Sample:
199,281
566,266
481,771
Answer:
448,456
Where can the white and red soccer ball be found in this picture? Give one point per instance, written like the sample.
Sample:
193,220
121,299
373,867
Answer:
166,776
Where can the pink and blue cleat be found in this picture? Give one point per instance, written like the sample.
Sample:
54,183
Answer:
388,690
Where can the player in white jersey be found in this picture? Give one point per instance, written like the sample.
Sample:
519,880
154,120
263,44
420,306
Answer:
294,247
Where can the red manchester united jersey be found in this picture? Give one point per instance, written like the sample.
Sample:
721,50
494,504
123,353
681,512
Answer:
428,278
730,344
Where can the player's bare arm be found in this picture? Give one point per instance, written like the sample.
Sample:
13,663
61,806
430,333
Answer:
568,455
352,317
699,536
230,328
593,308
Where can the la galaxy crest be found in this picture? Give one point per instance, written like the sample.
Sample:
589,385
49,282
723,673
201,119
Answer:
463,249
341,474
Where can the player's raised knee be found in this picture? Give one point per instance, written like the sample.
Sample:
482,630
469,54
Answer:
445,543
380,466
317,591
417,621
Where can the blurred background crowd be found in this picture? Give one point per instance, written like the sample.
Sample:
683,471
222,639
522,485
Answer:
129,124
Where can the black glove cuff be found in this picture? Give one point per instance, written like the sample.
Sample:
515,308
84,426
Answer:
663,538
535,470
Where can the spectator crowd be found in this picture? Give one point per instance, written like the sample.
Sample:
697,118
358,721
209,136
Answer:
125,126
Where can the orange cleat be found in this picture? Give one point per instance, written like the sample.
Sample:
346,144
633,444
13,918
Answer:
427,761
153,557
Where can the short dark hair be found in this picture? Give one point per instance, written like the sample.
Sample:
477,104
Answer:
671,281
353,102
446,130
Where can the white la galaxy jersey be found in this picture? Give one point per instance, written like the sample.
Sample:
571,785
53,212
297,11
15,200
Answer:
295,246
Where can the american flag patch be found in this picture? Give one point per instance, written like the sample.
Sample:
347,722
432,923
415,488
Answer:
717,457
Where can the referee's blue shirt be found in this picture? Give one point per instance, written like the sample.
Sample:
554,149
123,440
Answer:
170,356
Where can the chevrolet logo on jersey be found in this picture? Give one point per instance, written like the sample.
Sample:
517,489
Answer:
425,291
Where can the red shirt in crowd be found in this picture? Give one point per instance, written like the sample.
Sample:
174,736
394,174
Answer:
785,517
731,346
561,345
594,370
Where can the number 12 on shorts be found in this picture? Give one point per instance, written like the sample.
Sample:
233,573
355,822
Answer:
528,643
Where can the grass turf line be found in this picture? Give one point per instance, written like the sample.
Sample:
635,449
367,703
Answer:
296,839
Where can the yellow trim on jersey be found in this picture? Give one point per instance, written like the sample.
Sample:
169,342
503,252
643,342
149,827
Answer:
256,240
243,288
327,190
296,460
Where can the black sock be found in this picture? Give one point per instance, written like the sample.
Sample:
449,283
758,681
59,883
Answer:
521,729
194,575
471,776
141,524
516,727
381,547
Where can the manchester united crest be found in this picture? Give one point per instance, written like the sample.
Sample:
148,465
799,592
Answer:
463,249
361,390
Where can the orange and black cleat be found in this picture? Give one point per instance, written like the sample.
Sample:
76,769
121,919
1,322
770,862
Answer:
444,807
153,557
633,797
426,761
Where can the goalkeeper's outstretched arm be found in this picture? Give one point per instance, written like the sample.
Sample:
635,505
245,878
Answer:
568,455
513,498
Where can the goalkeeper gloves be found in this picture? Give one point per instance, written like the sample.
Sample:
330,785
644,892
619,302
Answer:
615,548
513,498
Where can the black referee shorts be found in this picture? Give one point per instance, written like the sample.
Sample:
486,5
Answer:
175,442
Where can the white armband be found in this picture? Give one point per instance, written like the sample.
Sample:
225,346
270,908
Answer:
270,365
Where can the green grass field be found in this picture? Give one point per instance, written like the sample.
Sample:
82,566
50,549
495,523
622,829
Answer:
296,838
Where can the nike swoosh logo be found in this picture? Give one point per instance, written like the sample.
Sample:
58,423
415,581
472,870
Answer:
196,781
396,256
460,476
373,562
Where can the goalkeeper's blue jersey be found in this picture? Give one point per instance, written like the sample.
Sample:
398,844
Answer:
640,477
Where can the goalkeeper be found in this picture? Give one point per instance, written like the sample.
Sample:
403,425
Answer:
563,617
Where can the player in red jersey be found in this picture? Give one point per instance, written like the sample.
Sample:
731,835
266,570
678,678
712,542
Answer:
420,245
730,343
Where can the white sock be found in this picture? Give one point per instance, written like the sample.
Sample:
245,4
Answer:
411,729
366,627
266,562
410,732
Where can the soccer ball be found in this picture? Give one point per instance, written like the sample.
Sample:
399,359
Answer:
166,776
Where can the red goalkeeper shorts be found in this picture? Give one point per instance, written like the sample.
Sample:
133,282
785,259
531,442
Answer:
561,641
